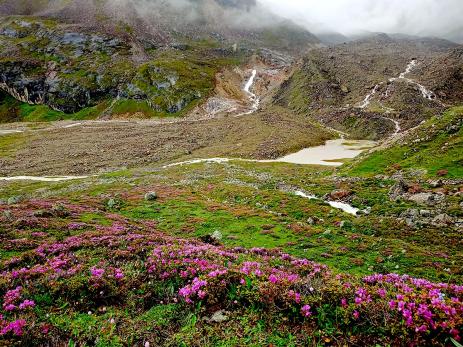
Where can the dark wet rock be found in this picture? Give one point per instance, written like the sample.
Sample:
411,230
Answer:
210,240
339,194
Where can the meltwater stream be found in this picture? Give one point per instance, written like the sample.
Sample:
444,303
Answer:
42,178
252,97
366,102
250,82
425,93
335,204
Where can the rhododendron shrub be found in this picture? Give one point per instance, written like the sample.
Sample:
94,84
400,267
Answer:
134,267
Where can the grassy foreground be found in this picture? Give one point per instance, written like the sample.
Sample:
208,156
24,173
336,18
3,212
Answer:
95,263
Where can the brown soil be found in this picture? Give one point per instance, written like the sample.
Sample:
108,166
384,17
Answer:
94,146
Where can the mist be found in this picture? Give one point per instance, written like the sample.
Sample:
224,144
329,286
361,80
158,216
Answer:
246,14
414,17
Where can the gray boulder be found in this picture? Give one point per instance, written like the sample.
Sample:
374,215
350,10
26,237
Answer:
151,196
442,220
426,199
218,317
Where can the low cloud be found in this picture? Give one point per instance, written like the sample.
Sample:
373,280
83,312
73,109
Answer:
219,13
414,17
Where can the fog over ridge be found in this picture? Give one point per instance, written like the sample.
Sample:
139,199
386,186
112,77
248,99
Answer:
414,17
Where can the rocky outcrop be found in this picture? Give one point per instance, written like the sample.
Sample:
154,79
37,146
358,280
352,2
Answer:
415,218
72,70
426,199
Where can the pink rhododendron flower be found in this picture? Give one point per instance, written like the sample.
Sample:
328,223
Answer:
26,304
96,272
305,310
118,274
15,327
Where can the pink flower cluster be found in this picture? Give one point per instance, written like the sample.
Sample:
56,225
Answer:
195,289
12,298
96,272
101,276
305,310
424,306
16,327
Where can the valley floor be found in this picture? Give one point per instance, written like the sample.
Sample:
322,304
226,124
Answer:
89,147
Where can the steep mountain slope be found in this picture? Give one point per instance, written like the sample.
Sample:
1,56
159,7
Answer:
355,86
97,58
444,75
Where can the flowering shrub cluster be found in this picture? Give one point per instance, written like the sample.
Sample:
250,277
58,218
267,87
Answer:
108,265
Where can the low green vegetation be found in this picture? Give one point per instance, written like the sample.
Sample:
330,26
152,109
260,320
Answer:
435,146
10,143
43,113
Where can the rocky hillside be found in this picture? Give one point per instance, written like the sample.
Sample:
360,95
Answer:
444,75
98,58
69,69
333,83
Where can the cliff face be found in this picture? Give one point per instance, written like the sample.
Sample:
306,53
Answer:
42,64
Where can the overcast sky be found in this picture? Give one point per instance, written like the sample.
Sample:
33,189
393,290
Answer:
423,17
